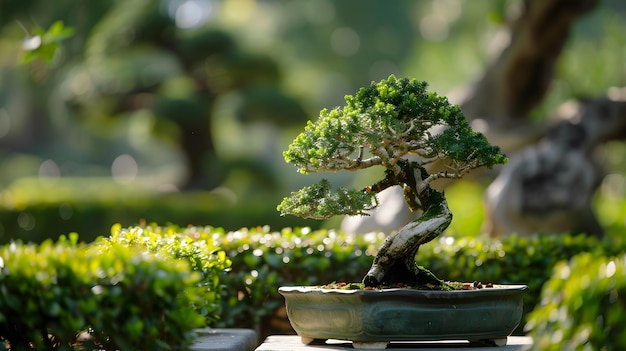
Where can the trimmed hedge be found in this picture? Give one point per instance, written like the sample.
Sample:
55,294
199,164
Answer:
33,209
136,290
583,306
511,260
201,253
263,260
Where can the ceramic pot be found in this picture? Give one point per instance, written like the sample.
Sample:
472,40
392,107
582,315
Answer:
373,318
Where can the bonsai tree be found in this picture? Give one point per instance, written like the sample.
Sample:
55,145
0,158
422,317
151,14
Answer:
398,125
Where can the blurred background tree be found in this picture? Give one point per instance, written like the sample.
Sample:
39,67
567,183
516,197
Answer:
200,97
131,66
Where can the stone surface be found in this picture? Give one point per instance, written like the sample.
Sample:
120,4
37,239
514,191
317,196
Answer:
294,343
210,339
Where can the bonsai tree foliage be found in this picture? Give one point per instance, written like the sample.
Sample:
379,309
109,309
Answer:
399,125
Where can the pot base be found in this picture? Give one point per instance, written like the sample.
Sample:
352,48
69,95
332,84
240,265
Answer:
380,345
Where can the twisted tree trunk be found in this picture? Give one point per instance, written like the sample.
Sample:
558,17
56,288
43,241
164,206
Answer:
395,261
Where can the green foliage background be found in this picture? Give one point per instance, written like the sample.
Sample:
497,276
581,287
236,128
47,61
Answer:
582,306
127,79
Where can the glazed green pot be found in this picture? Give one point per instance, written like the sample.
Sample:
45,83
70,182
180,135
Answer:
377,317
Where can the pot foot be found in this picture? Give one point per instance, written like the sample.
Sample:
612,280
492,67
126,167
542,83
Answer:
311,341
491,342
498,341
370,345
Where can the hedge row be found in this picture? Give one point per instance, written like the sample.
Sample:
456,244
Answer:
36,210
262,260
135,290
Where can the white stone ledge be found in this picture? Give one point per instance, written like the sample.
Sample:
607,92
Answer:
210,339
294,343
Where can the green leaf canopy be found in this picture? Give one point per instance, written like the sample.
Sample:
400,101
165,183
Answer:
381,125
388,120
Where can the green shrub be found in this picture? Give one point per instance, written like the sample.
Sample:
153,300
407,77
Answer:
582,306
195,247
263,260
136,290
245,296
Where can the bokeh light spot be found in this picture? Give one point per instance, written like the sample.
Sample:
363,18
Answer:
345,41
434,28
49,170
450,9
319,11
26,221
66,211
124,169
190,14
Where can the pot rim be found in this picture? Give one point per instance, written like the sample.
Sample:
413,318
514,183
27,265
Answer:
496,290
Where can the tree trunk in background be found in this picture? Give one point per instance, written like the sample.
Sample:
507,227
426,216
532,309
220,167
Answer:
519,78
548,185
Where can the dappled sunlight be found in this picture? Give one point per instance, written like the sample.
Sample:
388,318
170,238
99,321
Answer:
239,11
610,206
465,200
